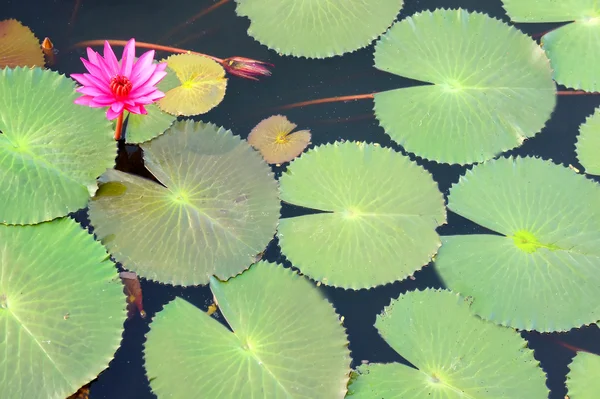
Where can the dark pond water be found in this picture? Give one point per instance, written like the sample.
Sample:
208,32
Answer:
223,34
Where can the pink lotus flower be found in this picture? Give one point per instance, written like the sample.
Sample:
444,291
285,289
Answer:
128,85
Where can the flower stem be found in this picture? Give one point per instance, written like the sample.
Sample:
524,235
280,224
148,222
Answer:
192,19
328,100
119,127
151,46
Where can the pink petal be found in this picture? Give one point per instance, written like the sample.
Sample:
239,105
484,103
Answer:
137,109
157,77
103,100
110,59
96,70
111,115
142,91
161,67
142,64
117,107
92,56
83,100
91,91
128,58
141,79
90,80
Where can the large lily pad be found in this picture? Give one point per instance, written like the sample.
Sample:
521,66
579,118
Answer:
582,380
201,87
285,341
492,86
19,46
381,211
456,354
317,28
588,144
540,272
51,150
61,309
216,208
573,49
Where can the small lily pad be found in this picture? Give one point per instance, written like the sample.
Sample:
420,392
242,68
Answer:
62,309
51,150
539,271
378,220
141,128
215,209
456,354
201,87
582,380
588,144
317,29
18,46
273,139
573,49
284,340
491,86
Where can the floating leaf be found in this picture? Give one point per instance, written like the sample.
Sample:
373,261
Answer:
492,86
216,208
51,150
19,46
317,29
457,355
582,380
285,341
141,128
573,49
540,271
380,220
61,309
201,87
273,139
588,144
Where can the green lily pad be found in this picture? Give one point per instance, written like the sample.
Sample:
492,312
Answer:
582,380
285,341
456,354
62,309
492,86
381,211
573,49
51,150
216,208
316,28
540,271
588,144
201,85
142,128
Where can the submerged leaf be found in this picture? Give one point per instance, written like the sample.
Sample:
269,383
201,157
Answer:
285,340
51,150
201,87
18,46
540,270
457,355
216,208
588,144
273,138
133,291
379,215
317,29
492,86
62,310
